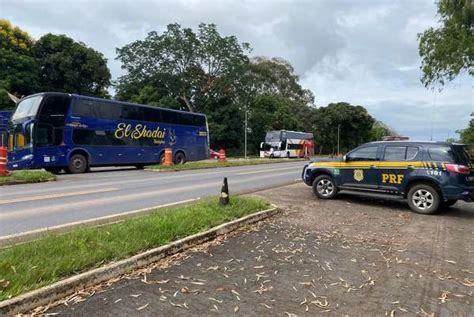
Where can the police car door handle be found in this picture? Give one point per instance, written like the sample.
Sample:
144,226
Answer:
373,166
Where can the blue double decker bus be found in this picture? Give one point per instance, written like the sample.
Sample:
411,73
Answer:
58,131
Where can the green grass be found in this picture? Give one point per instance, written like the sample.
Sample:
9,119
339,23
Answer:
216,163
41,262
27,176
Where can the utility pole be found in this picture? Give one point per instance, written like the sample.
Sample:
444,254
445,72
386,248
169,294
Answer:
245,139
338,137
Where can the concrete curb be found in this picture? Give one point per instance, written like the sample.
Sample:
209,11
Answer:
209,167
70,285
12,183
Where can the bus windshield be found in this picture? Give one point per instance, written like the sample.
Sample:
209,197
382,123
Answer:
27,108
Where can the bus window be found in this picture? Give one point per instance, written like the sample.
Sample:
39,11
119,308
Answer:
107,110
83,108
44,135
52,119
295,146
130,112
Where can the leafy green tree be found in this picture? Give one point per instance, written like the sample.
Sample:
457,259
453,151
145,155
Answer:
191,67
355,125
272,112
18,68
448,50
276,76
380,130
275,100
467,135
199,71
69,66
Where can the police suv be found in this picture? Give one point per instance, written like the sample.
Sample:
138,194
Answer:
427,174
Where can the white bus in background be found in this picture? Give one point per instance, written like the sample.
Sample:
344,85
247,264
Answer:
282,143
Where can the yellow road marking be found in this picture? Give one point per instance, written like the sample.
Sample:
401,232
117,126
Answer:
102,201
52,196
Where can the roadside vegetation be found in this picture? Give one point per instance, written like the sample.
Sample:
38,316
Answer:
197,70
216,163
44,261
27,176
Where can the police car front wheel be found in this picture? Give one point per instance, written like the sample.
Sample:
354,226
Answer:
324,187
423,199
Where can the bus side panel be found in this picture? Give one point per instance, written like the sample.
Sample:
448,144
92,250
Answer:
138,146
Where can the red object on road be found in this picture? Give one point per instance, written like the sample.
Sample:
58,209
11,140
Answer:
168,157
222,157
213,154
217,155
3,161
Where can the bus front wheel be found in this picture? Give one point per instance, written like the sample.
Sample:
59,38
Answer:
77,164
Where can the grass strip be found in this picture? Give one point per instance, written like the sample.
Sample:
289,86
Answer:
27,176
216,163
44,261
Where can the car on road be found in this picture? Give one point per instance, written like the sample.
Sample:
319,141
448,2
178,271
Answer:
427,174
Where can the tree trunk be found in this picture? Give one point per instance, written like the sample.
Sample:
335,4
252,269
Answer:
186,101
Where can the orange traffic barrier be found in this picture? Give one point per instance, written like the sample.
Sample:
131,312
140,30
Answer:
222,157
168,157
3,161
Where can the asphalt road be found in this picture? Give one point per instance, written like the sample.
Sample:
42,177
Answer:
351,256
110,191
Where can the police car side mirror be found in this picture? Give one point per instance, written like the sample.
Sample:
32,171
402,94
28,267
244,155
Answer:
345,158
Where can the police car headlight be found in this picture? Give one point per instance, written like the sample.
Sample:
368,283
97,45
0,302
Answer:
27,157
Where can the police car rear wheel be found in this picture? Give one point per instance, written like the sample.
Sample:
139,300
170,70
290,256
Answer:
423,199
324,187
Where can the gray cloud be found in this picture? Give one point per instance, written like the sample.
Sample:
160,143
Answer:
363,52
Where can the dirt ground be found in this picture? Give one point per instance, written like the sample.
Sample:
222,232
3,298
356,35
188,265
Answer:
349,256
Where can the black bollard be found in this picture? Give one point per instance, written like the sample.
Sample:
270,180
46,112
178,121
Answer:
224,199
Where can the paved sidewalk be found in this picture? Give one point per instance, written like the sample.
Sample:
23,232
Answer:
349,256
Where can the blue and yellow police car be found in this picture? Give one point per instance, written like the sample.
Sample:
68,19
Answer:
427,174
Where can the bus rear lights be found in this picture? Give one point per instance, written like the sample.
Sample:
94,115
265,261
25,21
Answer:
459,169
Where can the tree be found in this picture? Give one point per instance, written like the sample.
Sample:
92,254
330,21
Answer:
18,68
276,76
69,66
272,112
467,135
355,126
380,130
275,100
448,50
181,64
199,71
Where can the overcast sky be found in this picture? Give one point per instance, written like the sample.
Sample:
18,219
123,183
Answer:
363,52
